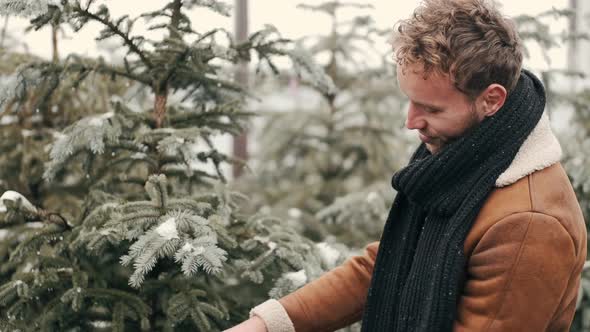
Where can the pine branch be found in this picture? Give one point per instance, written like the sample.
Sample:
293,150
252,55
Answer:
33,243
187,118
181,172
103,68
119,313
188,304
216,157
202,208
141,308
175,7
114,28
157,190
138,216
112,164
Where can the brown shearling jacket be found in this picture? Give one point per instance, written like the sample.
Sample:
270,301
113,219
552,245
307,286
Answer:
524,253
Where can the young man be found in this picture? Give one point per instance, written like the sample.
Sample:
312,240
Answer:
485,233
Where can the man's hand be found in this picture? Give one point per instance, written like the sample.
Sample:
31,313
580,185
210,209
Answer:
254,324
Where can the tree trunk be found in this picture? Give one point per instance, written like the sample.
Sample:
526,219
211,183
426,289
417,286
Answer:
160,106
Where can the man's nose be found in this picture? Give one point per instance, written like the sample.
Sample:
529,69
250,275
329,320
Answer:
415,119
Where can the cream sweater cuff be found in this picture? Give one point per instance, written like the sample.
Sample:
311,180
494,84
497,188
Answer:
275,317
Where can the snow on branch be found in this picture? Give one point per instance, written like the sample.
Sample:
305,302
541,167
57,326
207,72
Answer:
219,7
26,8
13,198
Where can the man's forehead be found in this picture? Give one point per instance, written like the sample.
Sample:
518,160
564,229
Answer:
433,90
416,79
419,69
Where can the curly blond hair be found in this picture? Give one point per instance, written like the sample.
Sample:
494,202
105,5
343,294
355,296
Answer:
470,40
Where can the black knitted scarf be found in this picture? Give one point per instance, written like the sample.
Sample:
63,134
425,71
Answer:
420,266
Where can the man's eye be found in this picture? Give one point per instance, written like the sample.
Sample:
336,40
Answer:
431,110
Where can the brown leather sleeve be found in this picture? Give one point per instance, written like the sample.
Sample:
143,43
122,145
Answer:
523,275
334,300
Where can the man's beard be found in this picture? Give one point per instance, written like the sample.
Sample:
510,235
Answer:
443,142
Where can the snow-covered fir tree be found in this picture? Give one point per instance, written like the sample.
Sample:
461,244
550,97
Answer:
130,224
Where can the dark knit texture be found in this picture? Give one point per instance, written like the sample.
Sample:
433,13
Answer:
420,265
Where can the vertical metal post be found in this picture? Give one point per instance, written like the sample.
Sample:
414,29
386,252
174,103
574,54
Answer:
240,143
573,30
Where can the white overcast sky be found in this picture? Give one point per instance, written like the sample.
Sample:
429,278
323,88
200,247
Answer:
291,22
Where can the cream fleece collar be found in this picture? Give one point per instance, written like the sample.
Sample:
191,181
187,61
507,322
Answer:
540,150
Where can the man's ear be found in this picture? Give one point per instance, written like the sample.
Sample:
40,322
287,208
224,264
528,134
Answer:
492,99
